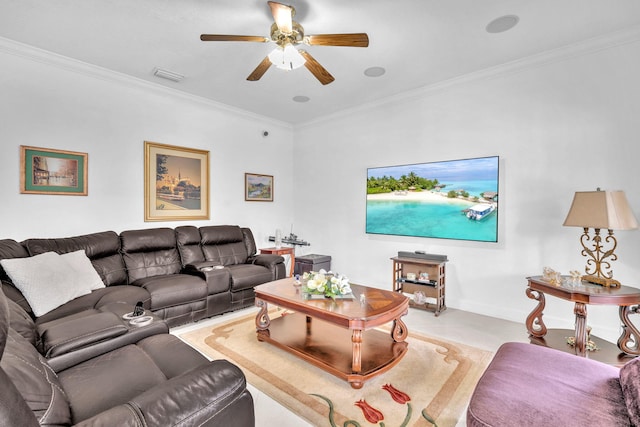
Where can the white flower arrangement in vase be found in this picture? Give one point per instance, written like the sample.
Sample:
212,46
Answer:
329,284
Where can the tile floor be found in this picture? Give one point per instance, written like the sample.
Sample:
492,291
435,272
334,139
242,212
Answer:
476,330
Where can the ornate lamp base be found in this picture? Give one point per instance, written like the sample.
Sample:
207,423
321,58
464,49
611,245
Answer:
603,281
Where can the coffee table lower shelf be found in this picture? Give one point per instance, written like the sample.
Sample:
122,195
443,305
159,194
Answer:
329,347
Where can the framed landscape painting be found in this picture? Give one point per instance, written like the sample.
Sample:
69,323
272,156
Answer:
49,171
258,188
454,199
176,183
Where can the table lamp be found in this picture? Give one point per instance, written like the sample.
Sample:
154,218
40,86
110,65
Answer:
597,210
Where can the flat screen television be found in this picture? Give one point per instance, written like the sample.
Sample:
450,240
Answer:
453,199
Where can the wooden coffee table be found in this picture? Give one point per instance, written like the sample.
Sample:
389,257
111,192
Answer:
336,336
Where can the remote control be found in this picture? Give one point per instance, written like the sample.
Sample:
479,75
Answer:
138,310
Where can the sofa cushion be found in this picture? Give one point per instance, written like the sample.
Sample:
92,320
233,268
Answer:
188,238
531,385
224,244
245,276
174,289
249,241
22,323
35,380
109,380
213,394
103,249
630,382
97,299
122,374
14,411
10,249
171,355
151,252
49,280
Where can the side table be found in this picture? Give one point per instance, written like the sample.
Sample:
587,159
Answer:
282,251
627,299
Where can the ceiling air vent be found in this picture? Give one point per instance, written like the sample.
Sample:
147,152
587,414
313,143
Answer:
169,75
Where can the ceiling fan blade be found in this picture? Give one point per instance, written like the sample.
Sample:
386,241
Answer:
283,16
316,69
260,70
228,38
355,40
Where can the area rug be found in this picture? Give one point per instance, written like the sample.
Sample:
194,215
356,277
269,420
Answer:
431,385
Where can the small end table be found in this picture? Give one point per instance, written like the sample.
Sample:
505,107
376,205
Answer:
627,299
282,251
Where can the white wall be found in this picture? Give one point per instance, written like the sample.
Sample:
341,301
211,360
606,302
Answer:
559,126
53,102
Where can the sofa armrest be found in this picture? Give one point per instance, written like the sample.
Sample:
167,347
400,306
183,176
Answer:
267,260
217,276
202,396
203,266
81,332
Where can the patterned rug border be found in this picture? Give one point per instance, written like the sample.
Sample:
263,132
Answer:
467,357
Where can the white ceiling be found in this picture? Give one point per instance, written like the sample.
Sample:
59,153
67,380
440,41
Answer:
418,42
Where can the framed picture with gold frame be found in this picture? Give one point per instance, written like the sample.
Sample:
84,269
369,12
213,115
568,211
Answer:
258,188
176,183
49,171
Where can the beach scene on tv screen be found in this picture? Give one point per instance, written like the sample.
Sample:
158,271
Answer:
454,199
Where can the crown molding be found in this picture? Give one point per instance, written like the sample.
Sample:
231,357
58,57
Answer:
585,47
46,57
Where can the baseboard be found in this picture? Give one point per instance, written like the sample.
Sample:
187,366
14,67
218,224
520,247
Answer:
605,332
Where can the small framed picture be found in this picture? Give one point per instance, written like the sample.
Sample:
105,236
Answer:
49,171
258,188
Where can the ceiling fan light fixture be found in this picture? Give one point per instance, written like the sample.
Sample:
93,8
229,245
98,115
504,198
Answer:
286,34
287,58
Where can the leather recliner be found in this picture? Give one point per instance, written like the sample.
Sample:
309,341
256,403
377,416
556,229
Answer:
157,381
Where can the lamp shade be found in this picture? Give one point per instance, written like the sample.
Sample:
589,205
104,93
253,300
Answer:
601,209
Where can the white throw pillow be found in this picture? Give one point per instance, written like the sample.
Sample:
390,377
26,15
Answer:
84,274
49,280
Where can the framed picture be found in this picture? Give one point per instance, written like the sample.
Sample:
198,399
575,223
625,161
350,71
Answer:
454,199
176,183
258,188
49,171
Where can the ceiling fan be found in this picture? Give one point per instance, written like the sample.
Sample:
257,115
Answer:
286,34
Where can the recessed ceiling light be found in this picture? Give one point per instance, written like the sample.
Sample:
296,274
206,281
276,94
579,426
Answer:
301,98
374,71
502,24
166,74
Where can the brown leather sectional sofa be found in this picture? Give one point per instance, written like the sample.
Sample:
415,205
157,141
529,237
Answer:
82,363
182,275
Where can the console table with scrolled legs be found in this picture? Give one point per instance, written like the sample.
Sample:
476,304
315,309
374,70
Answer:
627,298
